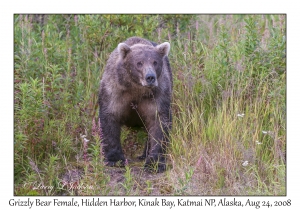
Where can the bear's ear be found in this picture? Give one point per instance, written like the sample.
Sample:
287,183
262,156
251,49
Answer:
163,48
123,50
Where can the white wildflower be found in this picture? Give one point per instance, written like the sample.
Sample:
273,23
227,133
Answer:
265,132
245,163
241,115
86,140
257,142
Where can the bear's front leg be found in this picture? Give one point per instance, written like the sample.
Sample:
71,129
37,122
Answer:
158,140
111,145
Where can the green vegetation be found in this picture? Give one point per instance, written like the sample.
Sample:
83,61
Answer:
229,105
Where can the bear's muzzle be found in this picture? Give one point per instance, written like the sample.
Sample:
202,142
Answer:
150,79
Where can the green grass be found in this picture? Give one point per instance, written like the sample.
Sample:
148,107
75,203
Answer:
229,105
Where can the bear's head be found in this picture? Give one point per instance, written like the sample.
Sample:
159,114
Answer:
144,63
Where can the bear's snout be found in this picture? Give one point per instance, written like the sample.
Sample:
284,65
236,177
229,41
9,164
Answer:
150,78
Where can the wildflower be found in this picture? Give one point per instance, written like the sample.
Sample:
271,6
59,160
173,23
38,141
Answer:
94,128
54,144
85,149
33,165
169,36
86,140
267,132
241,115
99,129
76,19
257,142
245,163
199,161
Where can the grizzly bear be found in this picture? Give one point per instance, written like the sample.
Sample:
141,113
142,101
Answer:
135,91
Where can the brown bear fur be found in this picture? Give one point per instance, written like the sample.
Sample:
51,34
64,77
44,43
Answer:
135,91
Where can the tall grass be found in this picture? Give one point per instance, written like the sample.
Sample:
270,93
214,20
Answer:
229,124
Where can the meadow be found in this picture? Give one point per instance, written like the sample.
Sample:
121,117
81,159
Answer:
229,105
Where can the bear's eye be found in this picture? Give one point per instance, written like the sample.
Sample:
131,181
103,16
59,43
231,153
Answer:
139,64
154,63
